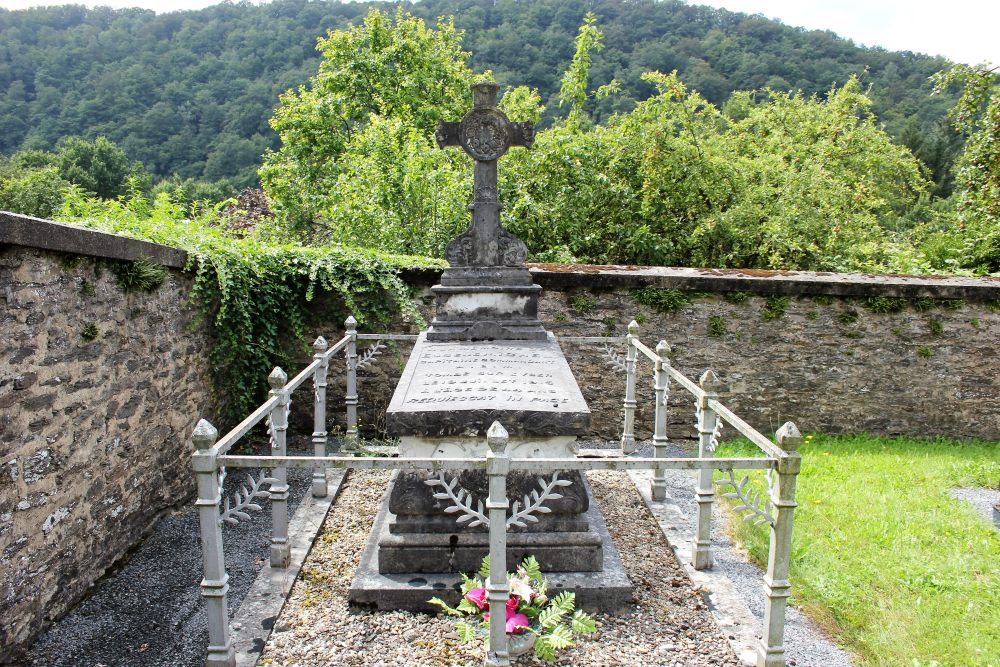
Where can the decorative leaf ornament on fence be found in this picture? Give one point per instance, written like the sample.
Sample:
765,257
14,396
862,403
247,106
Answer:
750,499
270,426
244,499
716,434
614,359
368,356
533,503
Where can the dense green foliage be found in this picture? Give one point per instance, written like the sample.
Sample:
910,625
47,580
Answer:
774,180
380,88
31,181
190,93
884,553
255,292
977,115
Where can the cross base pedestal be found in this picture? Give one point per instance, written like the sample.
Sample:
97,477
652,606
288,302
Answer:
486,303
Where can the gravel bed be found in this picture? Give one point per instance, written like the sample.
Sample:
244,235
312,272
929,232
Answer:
669,626
806,645
148,612
983,500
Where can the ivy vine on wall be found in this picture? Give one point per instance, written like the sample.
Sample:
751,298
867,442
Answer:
256,292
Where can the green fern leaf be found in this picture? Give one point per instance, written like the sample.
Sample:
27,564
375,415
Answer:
560,637
565,602
544,650
444,605
484,567
551,616
532,569
582,623
466,633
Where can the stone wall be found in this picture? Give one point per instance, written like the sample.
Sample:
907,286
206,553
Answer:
812,348
99,389
98,393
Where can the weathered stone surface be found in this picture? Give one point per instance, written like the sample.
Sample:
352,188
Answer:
486,293
92,434
452,388
606,590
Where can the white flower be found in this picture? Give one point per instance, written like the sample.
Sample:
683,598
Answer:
520,587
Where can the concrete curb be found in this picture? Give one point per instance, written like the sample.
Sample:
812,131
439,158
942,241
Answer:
255,619
731,613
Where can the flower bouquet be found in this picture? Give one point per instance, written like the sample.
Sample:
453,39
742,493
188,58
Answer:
533,619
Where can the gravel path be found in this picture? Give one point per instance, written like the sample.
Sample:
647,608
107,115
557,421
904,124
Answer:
149,612
806,645
983,500
668,626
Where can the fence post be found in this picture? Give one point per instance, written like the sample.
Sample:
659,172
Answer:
351,399
215,585
658,489
319,487
280,549
631,353
497,467
777,589
702,557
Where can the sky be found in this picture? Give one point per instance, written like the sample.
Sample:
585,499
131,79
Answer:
962,30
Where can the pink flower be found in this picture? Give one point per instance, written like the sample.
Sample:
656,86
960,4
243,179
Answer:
517,624
512,603
477,596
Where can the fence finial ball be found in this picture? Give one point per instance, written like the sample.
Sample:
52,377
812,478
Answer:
204,435
277,378
320,344
663,351
633,328
789,437
496,437
350,323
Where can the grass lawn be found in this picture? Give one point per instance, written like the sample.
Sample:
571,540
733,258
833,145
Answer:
900,572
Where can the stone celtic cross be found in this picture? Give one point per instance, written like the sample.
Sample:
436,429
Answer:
485,133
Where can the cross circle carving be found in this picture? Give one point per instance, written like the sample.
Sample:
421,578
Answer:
485,134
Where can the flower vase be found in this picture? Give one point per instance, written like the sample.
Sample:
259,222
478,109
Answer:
520,644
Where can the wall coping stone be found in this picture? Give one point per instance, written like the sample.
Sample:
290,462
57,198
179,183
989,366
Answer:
755,281
24,230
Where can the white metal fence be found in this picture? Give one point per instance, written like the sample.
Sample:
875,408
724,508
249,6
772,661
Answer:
211,460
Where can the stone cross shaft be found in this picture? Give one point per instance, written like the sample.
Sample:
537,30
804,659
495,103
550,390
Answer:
485,133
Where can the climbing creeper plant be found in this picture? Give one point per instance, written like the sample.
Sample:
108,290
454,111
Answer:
255,294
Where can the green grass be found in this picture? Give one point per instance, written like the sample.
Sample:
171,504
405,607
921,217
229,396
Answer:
900,572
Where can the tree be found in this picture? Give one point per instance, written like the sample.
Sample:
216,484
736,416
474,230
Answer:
36,192
385,68
977,116
97,166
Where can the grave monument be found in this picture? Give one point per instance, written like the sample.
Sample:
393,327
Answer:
486,357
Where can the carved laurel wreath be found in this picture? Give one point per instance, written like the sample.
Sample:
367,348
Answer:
462,501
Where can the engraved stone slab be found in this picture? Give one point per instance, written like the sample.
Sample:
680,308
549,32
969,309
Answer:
461,387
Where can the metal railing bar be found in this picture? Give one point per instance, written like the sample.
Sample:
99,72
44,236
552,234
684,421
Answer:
685,382
337,347
303,375
752,434
387,336
383,463
230,439
649,354
591,339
